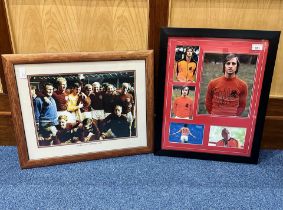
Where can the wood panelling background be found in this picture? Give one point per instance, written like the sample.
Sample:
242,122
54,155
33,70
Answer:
77,25
158,15
6,126
241,14
273,128
5,44
6,131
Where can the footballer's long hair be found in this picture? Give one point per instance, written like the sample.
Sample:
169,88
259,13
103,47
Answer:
229,57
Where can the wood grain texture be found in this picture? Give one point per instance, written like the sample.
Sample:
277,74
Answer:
77,25
273,133
253,14
158,16
4,103
274,108
150,99
83,157
7,137
5,43
10,60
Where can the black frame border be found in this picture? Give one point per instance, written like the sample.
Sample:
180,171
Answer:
165,33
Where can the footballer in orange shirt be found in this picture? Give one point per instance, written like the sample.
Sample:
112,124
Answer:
227,95
185,69
227,141
183,105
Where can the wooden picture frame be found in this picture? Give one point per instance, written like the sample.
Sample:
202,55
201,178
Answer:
35,125
211,110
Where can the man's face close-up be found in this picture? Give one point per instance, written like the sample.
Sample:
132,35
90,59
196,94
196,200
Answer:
231,66
96,88
110,89
62,86
49,90
226,134
62,123
32,92
125,89
118,111
185,91
77,90
88,90
189,52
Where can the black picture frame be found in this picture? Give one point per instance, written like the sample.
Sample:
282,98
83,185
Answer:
161,121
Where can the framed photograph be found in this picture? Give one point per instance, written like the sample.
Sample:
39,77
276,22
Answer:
80,106
213,92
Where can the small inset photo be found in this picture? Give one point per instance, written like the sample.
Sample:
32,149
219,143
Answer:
228,137
182,102
186,59
186,133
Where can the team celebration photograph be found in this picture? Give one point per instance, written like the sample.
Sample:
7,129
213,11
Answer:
79,108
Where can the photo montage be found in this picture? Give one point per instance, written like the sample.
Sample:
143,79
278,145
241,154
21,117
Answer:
83,108
212,94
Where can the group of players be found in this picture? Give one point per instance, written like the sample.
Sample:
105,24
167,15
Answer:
83,113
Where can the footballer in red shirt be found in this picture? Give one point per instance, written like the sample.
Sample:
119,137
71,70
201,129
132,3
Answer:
227,95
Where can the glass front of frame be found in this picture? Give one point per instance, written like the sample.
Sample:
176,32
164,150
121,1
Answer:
212,94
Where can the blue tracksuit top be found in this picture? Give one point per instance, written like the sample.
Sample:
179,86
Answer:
45,112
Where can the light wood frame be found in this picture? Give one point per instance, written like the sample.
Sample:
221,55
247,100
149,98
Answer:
9,62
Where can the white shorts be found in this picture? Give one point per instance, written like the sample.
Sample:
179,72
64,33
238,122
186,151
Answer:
86,115
184,139
97,114
75,116
72,117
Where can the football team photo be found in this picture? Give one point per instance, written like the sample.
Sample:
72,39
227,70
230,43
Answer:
78,108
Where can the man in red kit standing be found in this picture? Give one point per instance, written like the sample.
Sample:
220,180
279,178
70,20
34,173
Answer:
183,105
126,99
61,97
227,94
227,141
97,102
